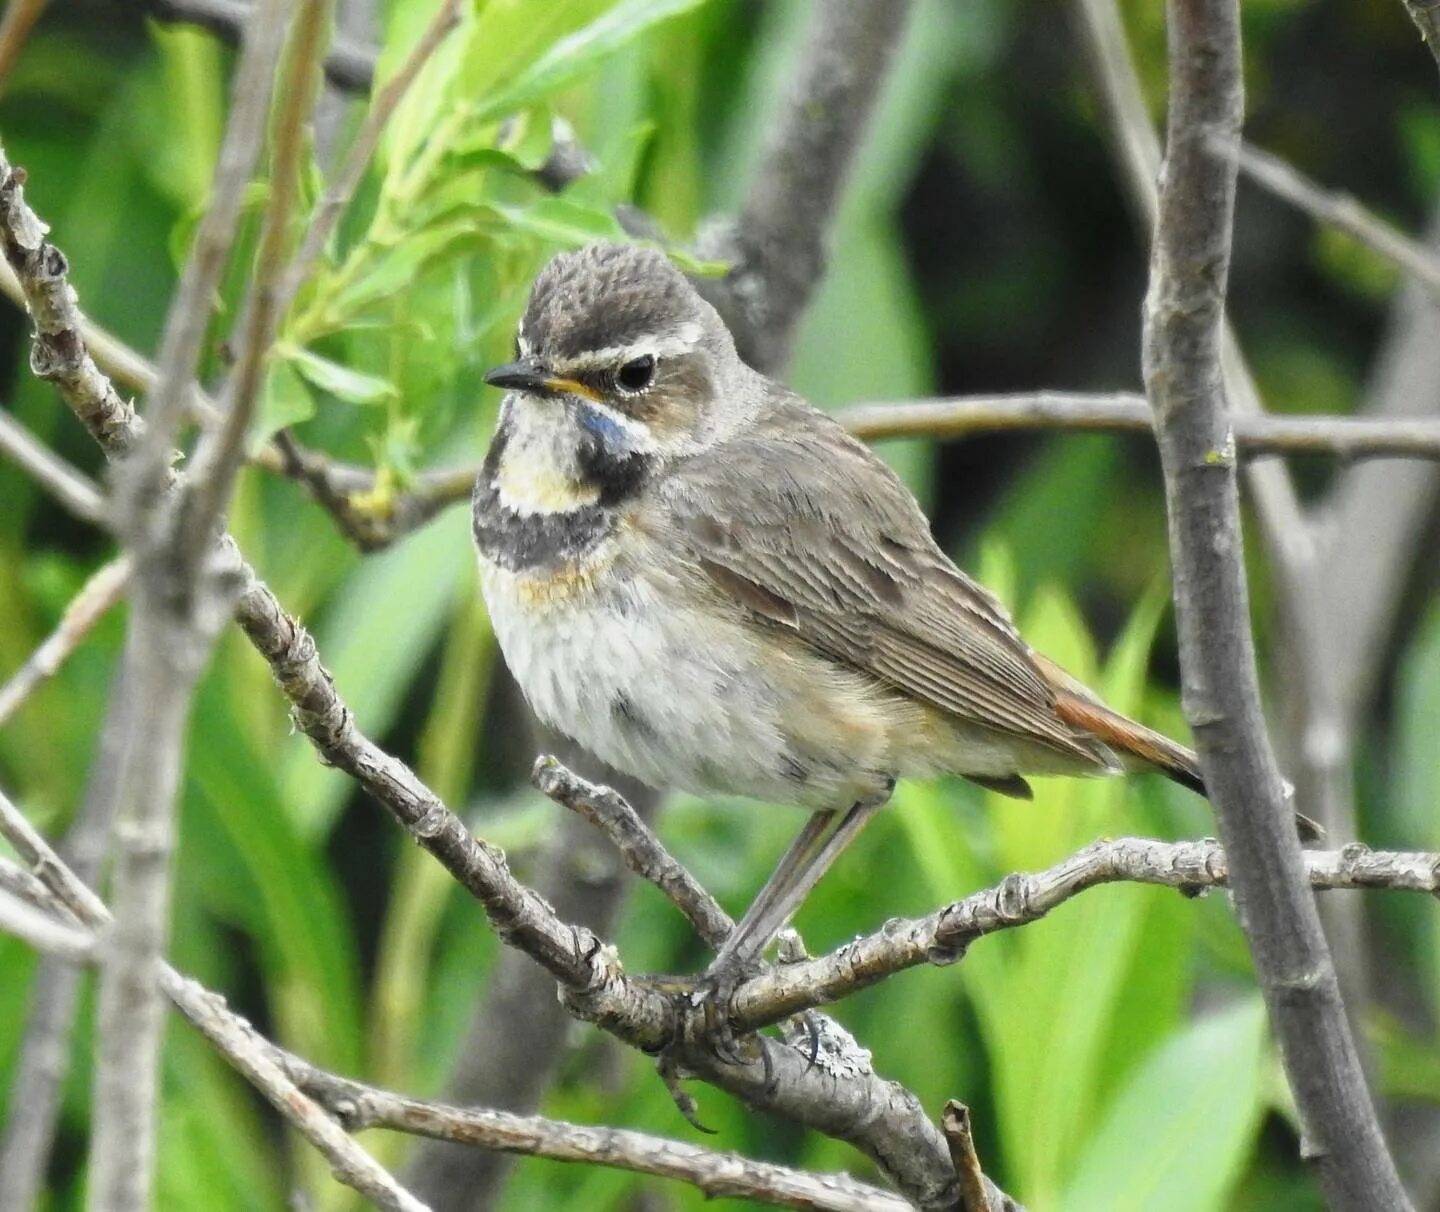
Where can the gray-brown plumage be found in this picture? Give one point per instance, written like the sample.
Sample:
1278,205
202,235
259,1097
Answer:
709,583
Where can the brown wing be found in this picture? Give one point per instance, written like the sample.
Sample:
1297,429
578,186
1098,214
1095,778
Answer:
803,525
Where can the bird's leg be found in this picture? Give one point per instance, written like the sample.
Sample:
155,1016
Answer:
735,951
808,858
799,871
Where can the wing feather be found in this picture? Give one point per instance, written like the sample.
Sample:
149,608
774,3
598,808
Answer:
797,522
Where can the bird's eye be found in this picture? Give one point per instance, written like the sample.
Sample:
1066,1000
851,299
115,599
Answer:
637,373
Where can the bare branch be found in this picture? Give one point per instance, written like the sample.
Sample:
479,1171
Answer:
1315,740
977,1193
1125,412
1184,378
98,594
19,882
1426,16
71,487
251,1055
337,485
777,245
189,313
944,936
220,454
43,931
642,851
348,68
59,354
15,26
45,1056
178,607
718,1175
362,150
1340,210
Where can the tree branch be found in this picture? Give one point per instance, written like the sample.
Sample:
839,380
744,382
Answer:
1426,15
222,451
1339,210
71,487
777,245
177,609
334,485
1317,748
638,846
1183,350
349,68
252,1056
104,588
1125,412
944,936
718,1175
291,1083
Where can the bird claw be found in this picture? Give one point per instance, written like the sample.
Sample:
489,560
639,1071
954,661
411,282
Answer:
704,1003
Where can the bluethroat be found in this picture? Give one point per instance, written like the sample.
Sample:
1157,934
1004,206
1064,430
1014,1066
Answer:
712,586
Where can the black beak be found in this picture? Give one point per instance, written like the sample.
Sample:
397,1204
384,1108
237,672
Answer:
525,375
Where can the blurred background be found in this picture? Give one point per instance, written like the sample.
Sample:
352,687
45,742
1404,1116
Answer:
1114,1055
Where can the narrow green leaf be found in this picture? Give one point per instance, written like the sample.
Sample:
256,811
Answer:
560,221
284,400
574,54
339,381
1179,1133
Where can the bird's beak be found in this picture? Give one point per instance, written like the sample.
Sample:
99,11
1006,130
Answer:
530,376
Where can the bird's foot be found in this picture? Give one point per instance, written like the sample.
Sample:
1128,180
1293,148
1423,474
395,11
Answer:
704,1003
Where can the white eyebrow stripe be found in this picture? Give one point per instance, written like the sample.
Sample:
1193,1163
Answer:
685,337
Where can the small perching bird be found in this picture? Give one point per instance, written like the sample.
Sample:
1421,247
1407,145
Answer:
711,585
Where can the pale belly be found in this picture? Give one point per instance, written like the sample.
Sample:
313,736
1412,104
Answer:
684,700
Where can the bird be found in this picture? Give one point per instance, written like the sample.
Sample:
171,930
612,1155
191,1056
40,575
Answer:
707,582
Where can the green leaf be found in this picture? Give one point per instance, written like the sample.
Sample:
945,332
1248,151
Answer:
339,381
560,221
1179,1133
284,401
568,57
399,266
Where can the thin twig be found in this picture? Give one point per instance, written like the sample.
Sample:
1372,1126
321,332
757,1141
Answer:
1127,412
718,1175
352,170
1340,210
19,882
977,1193
336,485
348,67
943,937
15,26
1183,351
45,1056
221,452
252,1056
42,931
98,594
777,246
1426,15
70,486
642,851
178,607
59,354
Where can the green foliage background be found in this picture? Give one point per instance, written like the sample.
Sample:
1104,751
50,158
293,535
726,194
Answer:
1115,1054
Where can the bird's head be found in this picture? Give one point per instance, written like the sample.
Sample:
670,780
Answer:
618,339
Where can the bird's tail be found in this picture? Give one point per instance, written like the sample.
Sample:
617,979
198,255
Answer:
1136,745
